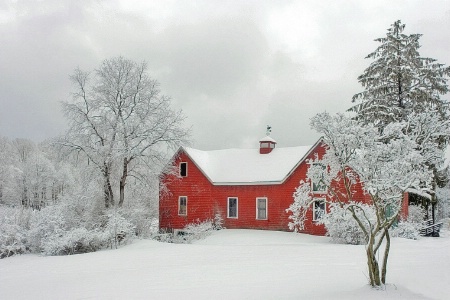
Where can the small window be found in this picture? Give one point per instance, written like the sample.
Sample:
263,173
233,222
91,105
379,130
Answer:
182,205
319,186
318,209
183,169
261,208
232,211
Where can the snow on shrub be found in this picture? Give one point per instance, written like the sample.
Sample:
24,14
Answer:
13,231
118,229
410,227
406,230
218,222
74,241
192,231
145,224
342,227
416,214
46,224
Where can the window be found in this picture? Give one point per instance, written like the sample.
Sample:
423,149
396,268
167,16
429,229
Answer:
261,208
232,211
318,209
267,145
183,169
319,186
182,205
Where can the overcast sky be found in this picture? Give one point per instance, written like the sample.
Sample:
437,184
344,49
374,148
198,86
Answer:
233,67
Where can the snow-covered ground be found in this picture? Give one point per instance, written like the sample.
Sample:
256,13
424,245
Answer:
231,264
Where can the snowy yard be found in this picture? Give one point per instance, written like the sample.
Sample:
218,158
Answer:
231,264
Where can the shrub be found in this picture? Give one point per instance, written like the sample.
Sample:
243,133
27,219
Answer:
218,222
118,229
47,224
144,222
13,231
410,227
74,241
191,232
342,227
406,230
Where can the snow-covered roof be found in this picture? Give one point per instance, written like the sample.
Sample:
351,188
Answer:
267,139
419,192
248,166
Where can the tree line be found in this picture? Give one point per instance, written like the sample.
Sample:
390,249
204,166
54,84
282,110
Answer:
106,167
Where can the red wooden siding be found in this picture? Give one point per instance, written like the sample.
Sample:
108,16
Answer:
205,200
196,187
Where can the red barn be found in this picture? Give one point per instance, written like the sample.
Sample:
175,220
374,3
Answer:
248,188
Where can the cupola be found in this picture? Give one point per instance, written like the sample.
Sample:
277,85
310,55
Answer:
267,144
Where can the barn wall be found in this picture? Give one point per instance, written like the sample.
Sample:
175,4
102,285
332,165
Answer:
279,197
205,200
198,190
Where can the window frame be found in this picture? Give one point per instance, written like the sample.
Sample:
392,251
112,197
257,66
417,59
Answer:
324,201
228,208
257,211
185,169
325,190
179,205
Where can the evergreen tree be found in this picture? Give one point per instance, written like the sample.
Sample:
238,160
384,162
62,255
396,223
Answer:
401,86
399,81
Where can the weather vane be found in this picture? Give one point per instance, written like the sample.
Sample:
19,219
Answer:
268,130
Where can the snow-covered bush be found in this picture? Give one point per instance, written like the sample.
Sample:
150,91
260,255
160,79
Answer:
66,228
410,227
218,222
74,241
443,204
13,231
191,232
416,214
406,230
118,229
46,224
342,227
145,224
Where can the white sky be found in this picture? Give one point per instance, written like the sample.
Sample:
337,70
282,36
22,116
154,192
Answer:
233,67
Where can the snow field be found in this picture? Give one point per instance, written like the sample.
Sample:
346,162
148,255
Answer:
231,264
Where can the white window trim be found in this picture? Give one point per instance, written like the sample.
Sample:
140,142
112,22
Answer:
179,171
257,198
314,208
318,192
312,184
179,205
228,207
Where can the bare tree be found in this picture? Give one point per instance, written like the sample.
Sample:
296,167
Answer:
118,116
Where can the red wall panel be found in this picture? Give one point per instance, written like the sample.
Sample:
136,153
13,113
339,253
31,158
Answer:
205,200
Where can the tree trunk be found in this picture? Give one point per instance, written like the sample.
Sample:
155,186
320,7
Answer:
123,180
25,194
372,263
109,196
386,255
